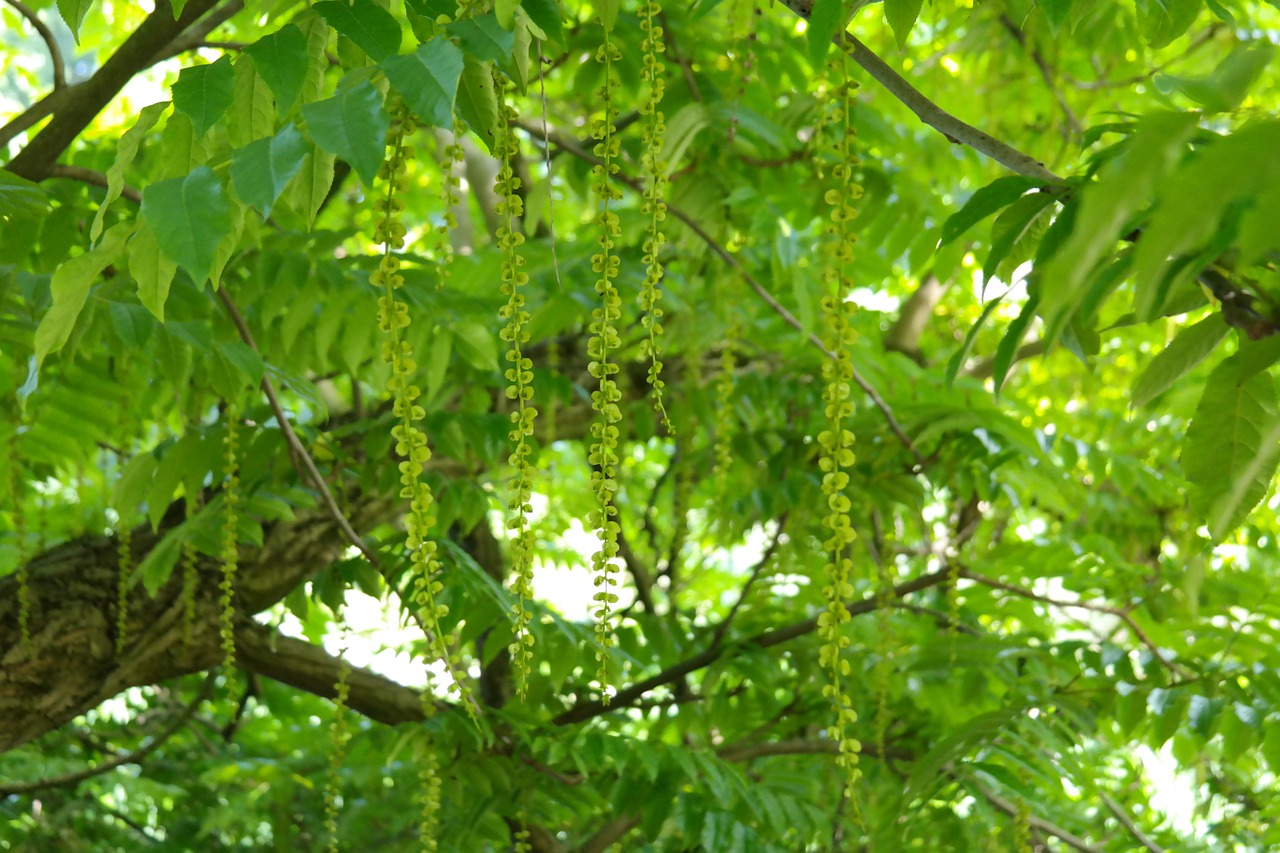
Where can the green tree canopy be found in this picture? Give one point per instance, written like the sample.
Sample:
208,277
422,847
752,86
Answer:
723,426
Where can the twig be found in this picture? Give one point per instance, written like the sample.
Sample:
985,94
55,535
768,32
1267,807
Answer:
1123,816
1036,822
765,559
46,35
588,710
760,290
93,178
609,834
137,756
301,458
1122,615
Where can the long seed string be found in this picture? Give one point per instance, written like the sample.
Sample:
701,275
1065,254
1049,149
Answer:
230,547
654,206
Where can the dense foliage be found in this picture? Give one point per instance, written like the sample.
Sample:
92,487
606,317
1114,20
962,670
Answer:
685,427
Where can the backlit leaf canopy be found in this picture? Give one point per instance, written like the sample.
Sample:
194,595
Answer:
249,255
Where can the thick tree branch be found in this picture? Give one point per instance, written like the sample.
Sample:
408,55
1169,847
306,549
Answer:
84,102
137,756
50,41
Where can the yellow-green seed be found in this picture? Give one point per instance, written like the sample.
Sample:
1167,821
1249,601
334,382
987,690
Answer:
230,539
653,206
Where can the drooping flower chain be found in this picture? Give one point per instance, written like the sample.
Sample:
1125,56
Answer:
603,342
230,550
429,803
339,735
836,441
451,156
18,512
190,575
725,382
519,375
410,440
654,206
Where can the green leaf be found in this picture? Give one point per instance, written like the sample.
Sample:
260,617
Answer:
546,15
1231,447
483,37
957,360
1162,21
134,483
253,112
261,170
505,10
902,15
825,19
151,269
182,148
311,185
189,217
1015,222
477,344
1230,82
281,59
477,101
70,288
371,27
20,198
126,151
157,566
239,368
73,12
1125,185
1190,347
178,6
1007,349
608,12
428,80
352,126
204,92
1196,200
986,201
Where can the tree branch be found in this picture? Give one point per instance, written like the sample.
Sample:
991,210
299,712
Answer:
737,266
137,756
84,101
93,178
587,710
46,35
1036,822
608,834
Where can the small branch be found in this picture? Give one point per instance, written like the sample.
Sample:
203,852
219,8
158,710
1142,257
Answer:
93,178
1046,73
765,559
985,368
1036,822
1122,615
760,290
301,458
609,834
1123,816
46,35
588,710
137,756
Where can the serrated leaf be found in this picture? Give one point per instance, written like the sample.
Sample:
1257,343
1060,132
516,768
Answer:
483,37
1231,447
282,61
608,12
126,151
428,80
999,193
505,10
352,125
151,269
547,16
253,113
477,102
1125,185
70,288
189,217
133,485
204,92
73,12
311,185
261,170
157,566
1196,199
477,344
1013,223
182,148
902,15
1188,348
371,27
825,19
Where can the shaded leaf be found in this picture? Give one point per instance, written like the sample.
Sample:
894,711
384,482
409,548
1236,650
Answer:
352,125
70,288
428,80
204,92
262,169
1185,351
281,58
370,26
189,217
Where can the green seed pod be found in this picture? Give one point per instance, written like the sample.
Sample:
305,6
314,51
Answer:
604,342
410,440
230,540
836,441
653,206
519,375
339,735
